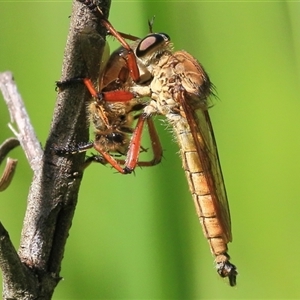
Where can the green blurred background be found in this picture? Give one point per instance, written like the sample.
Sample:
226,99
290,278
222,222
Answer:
138,237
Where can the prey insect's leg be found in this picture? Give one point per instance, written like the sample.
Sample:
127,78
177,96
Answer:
72,149
110,96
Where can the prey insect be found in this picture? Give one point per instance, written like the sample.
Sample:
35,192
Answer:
113,111
179,88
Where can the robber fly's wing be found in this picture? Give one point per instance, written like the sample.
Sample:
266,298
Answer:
193,94
203,135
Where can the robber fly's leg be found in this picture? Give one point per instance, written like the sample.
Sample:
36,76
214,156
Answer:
111,96
134,147
155,144
107,158
130,56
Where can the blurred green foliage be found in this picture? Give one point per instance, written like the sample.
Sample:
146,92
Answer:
138,237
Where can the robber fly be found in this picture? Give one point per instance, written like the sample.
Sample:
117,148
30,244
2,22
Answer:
179,89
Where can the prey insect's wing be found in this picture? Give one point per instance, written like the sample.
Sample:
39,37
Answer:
92,45
203,135
115,72
103,64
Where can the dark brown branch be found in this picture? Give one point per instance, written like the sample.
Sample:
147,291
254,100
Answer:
54,189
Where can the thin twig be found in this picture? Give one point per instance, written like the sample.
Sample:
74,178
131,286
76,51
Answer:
18,114
11,163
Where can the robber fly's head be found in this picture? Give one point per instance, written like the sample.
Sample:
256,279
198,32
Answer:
150,48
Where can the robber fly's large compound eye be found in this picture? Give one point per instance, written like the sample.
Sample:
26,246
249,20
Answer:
151,43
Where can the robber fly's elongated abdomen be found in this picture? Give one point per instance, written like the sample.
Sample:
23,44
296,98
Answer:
207,213
199,189
179,90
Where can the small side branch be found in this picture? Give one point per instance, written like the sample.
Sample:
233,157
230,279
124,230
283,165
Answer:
25,134
11,163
